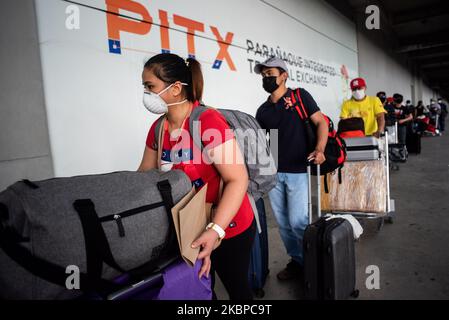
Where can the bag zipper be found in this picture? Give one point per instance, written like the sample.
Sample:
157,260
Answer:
121,229
117,217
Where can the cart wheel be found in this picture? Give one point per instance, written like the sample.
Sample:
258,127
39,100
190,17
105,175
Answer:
389,220
259,293
380,223
355,294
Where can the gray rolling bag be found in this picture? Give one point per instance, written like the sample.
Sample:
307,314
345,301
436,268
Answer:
103,225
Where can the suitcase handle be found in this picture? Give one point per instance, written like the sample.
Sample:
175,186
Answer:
309,182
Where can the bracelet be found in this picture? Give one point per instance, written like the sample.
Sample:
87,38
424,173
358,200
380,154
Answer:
217,229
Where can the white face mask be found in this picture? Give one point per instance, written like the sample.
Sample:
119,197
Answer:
358,94
155,104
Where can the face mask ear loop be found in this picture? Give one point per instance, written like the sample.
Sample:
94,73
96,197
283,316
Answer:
175,103
159,94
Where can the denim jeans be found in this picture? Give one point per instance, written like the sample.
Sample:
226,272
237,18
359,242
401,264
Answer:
289,203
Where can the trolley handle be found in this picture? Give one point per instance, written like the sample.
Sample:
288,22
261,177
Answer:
309,182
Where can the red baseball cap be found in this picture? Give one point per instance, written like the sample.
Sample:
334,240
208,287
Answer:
357,83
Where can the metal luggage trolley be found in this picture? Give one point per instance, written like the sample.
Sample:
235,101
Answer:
383,156
393,140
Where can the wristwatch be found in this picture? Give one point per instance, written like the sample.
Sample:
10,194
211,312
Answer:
217,229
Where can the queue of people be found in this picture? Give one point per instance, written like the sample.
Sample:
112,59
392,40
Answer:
173,86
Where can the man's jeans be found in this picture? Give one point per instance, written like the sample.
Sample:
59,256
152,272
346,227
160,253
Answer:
289,202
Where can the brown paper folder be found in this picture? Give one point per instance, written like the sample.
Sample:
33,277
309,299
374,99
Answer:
190,219
175,213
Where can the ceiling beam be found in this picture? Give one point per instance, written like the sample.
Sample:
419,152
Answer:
426,40
421,13
441,52
433,61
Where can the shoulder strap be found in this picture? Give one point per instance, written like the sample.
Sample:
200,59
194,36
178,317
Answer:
296,97
194,129
158,138
194,124
97,246
157,129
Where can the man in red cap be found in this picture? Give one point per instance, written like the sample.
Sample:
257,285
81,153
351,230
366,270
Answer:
366,107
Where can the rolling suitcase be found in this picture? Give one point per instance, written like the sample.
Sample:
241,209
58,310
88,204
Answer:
362,149
413,142
329,256
258,267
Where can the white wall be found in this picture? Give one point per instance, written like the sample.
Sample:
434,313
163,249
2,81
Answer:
385,72
381,71
93,97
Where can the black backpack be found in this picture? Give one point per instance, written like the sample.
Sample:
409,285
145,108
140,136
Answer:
335,151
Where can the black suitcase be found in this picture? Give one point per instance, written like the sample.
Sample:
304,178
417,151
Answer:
413,142
258,268
329,257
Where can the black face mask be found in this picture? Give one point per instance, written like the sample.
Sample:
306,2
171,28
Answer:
269,84
383,99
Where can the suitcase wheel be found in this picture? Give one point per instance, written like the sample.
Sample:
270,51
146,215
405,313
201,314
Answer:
259,293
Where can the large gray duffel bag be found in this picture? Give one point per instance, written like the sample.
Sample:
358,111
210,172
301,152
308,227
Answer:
105,225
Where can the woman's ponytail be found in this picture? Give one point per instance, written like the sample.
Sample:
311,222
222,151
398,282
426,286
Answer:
196,91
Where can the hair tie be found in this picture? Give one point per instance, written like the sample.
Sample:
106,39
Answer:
187,62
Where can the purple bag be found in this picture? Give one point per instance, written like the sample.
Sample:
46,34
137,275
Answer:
181,282
178,281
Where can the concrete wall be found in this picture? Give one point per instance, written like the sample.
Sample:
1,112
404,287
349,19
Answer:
24,141
427,94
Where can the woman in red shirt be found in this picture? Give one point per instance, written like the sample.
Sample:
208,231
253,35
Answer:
173,86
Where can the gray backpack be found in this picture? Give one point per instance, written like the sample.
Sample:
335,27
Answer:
252,142
105,225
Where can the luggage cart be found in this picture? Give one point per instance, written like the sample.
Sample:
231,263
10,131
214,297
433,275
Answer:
388,215
393,140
